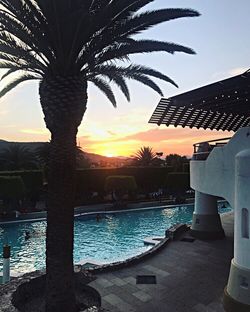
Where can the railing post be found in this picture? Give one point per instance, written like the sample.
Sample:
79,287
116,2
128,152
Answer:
6,264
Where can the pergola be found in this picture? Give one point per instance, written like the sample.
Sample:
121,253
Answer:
223,105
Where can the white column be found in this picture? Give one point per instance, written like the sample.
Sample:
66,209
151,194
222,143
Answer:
237,292
6,264
206,219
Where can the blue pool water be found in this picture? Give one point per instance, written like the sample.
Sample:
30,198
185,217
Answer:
115,237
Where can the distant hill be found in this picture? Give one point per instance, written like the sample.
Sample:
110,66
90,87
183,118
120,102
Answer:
97,158
31,145
93,158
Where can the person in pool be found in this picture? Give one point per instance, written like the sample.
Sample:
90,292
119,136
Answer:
33,233
27,235
98,217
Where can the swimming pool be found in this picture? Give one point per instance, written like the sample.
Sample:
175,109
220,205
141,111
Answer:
116,236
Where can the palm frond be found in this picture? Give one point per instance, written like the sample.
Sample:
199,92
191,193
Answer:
131,71
19,51
105,88
16,82
15,27
120,82
141,46
143,21
13,59
134,25
25,69
7,64
148,82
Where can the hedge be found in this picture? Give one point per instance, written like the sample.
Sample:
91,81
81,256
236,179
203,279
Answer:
148,179
120,183
177,182
11,187
32,179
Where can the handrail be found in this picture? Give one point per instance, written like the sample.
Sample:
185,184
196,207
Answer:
222,139
203,149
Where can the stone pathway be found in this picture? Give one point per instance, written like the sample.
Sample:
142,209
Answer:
190,277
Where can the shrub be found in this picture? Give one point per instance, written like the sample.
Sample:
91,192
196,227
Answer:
11,187
33,183
32,179
120,183
148,179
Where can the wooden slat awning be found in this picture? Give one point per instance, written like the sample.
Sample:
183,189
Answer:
223,105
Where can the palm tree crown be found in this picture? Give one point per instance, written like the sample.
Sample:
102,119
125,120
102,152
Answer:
43,38
145,156
17,157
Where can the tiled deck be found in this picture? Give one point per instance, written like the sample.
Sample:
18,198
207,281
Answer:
190,278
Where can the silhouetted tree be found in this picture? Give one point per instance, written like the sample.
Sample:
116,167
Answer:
176,161
144,157
66,44
17,157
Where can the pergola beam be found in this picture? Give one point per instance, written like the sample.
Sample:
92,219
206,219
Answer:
224,105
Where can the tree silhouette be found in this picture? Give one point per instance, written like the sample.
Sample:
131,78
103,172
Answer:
67,44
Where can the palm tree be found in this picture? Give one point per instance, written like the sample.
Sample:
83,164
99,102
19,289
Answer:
17,157
43,155
65,44
145,157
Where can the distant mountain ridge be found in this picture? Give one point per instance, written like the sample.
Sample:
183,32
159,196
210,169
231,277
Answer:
95,158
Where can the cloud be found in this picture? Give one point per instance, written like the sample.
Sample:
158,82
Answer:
229,73
170,134
35,131
169,140
4,112
8,126
238,70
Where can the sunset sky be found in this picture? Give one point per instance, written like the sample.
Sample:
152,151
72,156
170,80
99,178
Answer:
220,37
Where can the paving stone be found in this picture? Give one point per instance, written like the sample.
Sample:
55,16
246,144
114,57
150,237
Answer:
107,306
202,308
130,280
155,270
128,297
216,306
118,303
103,282
130,288
142,296
118,281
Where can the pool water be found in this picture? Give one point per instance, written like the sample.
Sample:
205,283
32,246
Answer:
116,236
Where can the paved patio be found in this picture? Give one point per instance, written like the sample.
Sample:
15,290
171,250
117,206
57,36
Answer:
190,278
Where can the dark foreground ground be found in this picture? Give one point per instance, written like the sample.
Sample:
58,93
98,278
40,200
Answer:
189,277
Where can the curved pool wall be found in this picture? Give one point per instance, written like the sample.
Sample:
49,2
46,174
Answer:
110,237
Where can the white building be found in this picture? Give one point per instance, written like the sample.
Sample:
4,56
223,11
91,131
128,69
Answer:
219,169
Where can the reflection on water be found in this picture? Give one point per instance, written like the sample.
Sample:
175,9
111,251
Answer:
114,237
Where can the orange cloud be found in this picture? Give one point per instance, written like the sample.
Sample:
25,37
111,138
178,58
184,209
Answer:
169,140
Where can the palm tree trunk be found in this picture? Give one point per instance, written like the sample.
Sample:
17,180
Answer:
60,293
63,103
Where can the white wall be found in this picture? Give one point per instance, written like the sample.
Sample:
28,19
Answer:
216,175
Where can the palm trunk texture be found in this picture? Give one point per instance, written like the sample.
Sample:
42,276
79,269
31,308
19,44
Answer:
64,102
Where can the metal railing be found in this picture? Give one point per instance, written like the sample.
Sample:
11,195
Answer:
203,149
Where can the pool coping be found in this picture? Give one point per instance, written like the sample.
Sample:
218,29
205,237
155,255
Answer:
102,212
152,205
